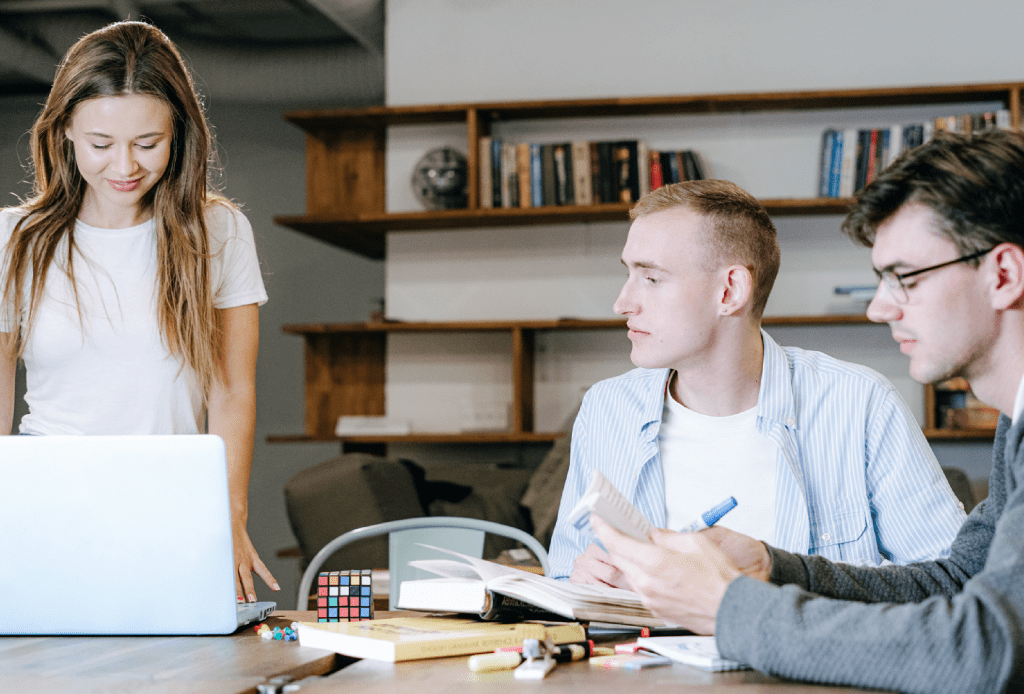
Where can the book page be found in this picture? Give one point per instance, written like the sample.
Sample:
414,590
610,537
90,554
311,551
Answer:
473,568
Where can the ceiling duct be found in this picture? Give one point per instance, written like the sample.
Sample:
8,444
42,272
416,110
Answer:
344,74
24,58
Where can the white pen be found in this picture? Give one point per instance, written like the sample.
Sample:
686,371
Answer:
711,516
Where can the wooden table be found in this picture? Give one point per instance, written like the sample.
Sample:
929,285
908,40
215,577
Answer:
452,676
232,664
236,664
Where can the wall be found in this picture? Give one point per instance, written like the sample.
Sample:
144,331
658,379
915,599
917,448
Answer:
459,51
263,160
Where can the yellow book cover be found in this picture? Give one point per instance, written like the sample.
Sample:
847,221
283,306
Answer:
416,638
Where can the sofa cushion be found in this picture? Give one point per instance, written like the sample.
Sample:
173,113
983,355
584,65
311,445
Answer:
347,492
544,492
495,495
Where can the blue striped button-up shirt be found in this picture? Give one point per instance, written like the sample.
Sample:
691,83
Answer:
856,479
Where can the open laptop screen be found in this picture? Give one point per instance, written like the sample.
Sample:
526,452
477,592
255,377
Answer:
115,535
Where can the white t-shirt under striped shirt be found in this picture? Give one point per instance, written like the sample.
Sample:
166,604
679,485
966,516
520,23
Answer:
707,459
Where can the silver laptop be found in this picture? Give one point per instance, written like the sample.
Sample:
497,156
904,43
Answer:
117,535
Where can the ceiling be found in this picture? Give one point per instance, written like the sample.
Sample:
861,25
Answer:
277,51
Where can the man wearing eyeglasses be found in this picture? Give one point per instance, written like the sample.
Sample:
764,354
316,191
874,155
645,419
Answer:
946,227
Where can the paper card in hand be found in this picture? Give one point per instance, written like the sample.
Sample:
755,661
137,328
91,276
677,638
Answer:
607,502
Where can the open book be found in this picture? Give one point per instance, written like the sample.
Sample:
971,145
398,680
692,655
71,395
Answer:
492,591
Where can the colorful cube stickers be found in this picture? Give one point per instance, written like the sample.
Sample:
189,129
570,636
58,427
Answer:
344,596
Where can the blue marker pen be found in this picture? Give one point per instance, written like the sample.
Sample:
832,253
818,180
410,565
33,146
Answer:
710,517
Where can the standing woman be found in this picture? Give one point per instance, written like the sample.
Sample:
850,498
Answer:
130,289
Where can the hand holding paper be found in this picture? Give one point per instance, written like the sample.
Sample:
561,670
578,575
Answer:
681,577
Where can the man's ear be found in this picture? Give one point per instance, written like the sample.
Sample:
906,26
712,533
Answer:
1007,287
737,290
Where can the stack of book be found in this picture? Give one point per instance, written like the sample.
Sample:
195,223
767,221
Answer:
577,173
852,158
494,592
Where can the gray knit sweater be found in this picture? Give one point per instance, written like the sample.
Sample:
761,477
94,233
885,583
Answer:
950,625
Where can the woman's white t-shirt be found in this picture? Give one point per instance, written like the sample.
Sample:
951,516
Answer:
110,372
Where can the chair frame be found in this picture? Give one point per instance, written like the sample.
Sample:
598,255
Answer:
386,528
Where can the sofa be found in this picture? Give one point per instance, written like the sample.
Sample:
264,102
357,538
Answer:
357,489
353,490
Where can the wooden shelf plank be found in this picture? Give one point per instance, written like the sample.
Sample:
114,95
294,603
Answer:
364,234
558,324
324,121
959,434
426,437
984,435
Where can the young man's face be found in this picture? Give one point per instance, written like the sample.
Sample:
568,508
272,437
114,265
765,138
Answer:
669,296
947,322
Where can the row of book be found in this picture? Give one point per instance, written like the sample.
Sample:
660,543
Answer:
852,158
577,173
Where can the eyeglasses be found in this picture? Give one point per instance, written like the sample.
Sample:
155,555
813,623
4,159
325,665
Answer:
894,280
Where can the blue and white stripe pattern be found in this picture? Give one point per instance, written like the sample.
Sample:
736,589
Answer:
857,481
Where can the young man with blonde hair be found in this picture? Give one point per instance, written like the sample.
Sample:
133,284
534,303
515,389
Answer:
822,456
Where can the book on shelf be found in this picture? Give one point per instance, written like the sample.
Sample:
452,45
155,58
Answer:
547,174
672,167
523,169
852,158
492,591
698,651
536,184
643,159
495,162
509,177
485,191
692,165
371,425
825,162
417,638
582,186
562,154
657,178
626,177
848,164
604,186
578,172
856,292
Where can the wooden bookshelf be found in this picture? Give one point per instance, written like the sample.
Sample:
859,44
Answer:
346,207
345,155
365,235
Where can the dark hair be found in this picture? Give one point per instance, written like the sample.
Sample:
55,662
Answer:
738,229
973,183
126,58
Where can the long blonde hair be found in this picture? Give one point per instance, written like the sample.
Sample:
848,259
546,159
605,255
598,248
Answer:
126,58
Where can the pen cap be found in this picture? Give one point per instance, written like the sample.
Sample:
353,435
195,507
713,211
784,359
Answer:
714,515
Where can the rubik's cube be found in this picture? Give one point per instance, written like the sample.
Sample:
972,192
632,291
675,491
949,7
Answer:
344,596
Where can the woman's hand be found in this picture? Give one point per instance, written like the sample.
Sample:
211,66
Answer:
247,561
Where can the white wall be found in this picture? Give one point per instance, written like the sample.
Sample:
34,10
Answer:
442,51
307,281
